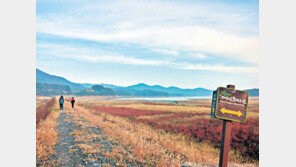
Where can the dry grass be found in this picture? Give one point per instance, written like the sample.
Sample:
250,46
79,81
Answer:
88,147
43,110
106,103
169,108
154,147
93,98
46,138
41,100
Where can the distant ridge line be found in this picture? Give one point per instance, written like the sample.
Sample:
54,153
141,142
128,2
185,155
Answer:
140,89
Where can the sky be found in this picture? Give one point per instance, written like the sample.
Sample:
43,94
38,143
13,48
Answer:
186,43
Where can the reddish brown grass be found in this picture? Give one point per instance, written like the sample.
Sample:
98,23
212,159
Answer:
125,112
197,125
157,148
175,132
43,110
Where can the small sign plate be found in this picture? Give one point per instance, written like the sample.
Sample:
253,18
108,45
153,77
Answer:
231,104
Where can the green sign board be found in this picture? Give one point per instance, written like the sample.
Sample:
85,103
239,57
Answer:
231,104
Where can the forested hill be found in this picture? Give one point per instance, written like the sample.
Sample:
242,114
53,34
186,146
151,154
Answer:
43,89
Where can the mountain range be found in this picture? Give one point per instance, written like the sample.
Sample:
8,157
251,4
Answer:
140,89
42,77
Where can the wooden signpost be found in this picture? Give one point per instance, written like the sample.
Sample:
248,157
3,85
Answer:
229,105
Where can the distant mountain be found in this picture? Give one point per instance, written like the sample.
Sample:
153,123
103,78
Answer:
89,85
135,90
140,86
97,90
140,89
253,92
172,91
86,85
202,92
111,86
43,89
43,77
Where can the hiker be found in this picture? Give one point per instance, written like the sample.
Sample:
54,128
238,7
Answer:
72,102
61,100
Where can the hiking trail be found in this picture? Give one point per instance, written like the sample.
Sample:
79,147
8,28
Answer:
80,144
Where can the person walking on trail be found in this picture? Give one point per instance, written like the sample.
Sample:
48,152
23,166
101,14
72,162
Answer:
61,100
72,102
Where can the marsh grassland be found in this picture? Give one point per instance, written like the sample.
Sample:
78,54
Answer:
175,132
151,133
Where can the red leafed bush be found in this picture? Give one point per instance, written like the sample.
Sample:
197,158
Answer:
245,137
127,112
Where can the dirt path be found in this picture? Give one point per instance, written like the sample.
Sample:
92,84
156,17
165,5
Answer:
81,144
65,142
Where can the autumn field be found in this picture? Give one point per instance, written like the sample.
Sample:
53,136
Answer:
168,134
139,133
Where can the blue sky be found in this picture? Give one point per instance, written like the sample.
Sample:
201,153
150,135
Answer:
187,44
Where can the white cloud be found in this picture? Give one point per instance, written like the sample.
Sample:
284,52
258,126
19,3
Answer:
97,55
168,25
165,51
117,59
195,39
92,55
221,68
199,56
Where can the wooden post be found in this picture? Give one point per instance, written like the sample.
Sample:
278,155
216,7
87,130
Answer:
225,140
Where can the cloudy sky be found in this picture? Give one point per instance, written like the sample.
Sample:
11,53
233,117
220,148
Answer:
170,43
